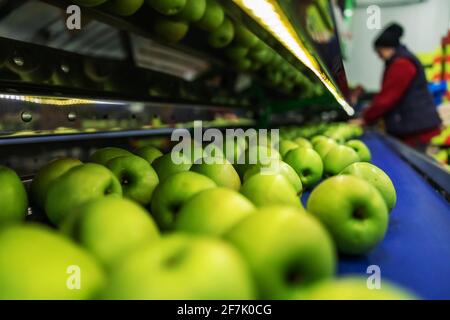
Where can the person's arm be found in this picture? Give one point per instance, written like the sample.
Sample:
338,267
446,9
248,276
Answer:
397,80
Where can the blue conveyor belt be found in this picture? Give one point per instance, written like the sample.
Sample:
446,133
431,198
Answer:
415,253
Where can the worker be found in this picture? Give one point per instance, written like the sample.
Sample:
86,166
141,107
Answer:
404,102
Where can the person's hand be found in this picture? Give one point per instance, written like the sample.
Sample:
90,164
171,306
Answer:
355,93
357,122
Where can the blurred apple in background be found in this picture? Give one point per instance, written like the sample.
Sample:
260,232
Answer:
213,212
149,153
270,189
46,175
338,158
102,156
13,197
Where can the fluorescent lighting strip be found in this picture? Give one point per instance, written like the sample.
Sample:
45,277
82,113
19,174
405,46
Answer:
270,15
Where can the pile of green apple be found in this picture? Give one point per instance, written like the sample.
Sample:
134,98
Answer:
149,225
172,19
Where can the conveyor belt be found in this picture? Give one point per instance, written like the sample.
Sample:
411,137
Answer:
416,251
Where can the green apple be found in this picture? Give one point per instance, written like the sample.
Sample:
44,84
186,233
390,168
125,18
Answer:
302,142
339,158
213,17
110,228
245,37
193,11
173,192
13,198
377,177
170,30
307,164
167,7
237,53
286,146
36,263
182,267
167,165
316,139
259,154
274,168
270,189
149,153
361,149
102,156
77,186
261,53
242,65
124,7
219,170
46,175
89,3
213,212
352,210
352,288
286,248
323,146
137,177
223,35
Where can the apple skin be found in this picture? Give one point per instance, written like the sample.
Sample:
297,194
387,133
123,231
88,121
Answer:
316,139
77,186
137,177
307,164
236,53
166,167
13,198
102,156
302,142
170,30
270,189
324,146
46,175
124,7
245,37
34,262
255,155
352,210
193,11
213,212
167,8
223,35
361,149
213,16
172,193
286,146
110,228
287,249
376,177
277,167
338,158
182,267
352,288
219,170
149,153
